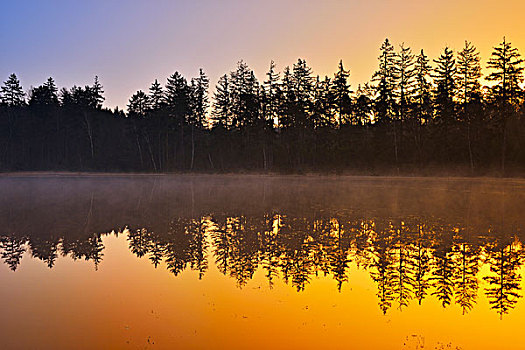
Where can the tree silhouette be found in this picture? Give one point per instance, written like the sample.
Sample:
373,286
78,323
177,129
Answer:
504,283
469,73
341,94
11,93
465,275
507,72
12,250
409,118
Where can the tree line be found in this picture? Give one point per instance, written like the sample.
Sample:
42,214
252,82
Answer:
414,115
409,260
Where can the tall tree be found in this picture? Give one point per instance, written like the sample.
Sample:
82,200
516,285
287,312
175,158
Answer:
199,105
272,92
221,113
139,104
507,72
97,92
469,73
406,73
341,94
386,81
445,80
11,92
156,96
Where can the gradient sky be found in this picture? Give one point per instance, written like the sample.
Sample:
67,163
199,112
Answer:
130,43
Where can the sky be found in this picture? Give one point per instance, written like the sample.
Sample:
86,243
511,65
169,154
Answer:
129,44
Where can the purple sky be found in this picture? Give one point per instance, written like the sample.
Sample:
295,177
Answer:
130,43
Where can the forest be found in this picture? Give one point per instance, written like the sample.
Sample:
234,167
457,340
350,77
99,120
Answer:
416,115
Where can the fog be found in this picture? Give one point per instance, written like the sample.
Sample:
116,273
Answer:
77,204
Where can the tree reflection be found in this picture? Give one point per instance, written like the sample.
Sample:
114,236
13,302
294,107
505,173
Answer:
504,282
408,259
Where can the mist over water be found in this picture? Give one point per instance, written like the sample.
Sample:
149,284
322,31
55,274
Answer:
153,261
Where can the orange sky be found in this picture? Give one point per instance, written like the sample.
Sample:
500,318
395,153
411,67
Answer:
130,43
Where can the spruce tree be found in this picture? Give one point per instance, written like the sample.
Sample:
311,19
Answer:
138,104
272,92
468,74
199,99
445,80
423,89
341,94
406,73
221,113
469,91
386,81
97,92
156,96
11,92
178,98
507,72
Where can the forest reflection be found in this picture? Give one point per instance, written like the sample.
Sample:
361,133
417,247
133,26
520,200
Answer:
409,259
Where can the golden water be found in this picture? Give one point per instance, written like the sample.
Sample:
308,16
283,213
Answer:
199,262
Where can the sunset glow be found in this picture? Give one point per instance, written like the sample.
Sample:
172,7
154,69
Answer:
128,44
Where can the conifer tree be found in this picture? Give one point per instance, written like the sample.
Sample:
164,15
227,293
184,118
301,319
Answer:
445,80
423,89
386,79
406,73
199,99
156,96
178,98
507,72
303,87
97,92
272,91
469,94
138,104
11,92
222,103
468,74
341,94
44,95
363,106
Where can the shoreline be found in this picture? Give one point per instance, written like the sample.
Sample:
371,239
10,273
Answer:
310,175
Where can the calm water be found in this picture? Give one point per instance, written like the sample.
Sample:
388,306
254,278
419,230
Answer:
249,262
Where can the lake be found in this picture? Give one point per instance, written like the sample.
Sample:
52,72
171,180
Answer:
259,262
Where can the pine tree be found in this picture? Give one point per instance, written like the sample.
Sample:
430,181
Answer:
386,79
221,113
97,92
445,80
138,104
178,98
323,102
156,96
506,63
469,94
199,99
423,89
303,88
244,96
341,94
11,92
468,74
272,91
406,73
363,105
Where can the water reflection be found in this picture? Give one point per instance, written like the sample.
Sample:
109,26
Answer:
409,259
